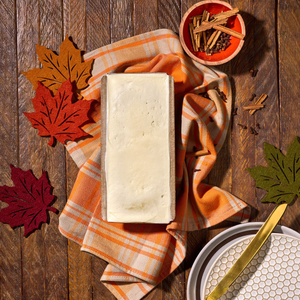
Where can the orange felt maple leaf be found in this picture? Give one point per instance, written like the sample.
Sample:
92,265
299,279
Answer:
59,117
59,68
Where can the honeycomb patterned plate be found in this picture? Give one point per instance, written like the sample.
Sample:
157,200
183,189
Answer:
273,274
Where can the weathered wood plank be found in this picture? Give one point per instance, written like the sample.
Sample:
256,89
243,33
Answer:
74,21
259,51
195,242
100,292
80,273
32,249
242,141
174,285
10,243
121,19
98,22
56,256
144,16
45,251
289,81
8,90
169,14
186,4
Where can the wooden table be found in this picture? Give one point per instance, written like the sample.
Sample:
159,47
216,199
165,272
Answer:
48,266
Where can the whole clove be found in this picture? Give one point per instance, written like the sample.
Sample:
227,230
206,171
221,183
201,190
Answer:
221,94
257,125
223,97
222,43
234,112
217,89
252,97
205,95
253,131
243,126
253,72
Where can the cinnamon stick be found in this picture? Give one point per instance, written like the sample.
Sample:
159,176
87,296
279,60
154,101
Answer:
198,36
204,33
198,153
208,25
229,31
215,39
194,22
197,17
251,107
260,100
211,38
226,14
191,27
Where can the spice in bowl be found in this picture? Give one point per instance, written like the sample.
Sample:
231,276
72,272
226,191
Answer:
209,33
212,32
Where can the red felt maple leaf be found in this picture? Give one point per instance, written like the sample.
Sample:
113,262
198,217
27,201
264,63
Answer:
28,200
59,116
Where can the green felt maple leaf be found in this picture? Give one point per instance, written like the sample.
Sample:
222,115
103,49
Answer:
282,176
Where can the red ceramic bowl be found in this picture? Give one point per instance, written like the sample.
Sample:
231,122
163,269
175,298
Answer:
214,7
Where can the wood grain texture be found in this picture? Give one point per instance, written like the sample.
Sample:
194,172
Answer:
98,21
121,16
10,245
80,273
242,142
33,262
195,242
8,90
145,16
258,52
79,263
174,285
74,21
100,292
289,80
266,82
48,266
168,14
186,4
56,256
44,252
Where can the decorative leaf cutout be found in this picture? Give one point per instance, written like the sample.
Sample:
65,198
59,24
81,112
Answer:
58,116
282,178
59,68
28,200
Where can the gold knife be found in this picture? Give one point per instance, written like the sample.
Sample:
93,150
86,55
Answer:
248,253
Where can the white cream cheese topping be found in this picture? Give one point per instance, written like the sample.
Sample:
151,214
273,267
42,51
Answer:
137,148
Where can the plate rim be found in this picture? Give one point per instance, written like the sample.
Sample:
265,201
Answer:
233,245
241,229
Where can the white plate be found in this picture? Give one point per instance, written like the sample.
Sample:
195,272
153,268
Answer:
211,252
273,274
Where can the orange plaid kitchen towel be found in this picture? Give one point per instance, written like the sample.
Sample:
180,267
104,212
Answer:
141,255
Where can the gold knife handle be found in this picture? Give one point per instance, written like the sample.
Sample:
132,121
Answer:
248,253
